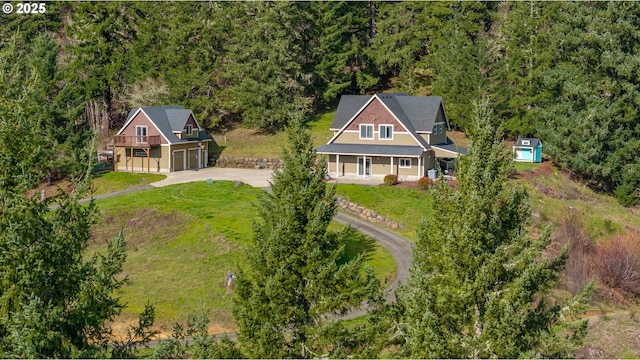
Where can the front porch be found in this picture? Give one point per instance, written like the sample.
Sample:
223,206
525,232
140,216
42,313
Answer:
375,167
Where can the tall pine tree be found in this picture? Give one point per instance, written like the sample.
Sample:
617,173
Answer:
295,277
479,282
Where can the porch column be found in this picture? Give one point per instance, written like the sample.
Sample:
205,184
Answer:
148,160
337,165
132,160
419,163
392,170
364,166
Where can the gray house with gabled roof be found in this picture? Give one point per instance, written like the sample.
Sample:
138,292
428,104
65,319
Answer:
381,134
161,139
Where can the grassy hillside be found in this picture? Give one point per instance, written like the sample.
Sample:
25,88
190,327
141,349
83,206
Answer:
181,242
252,143
554,195
115,181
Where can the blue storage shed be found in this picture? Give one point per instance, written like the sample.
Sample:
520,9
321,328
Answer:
528,149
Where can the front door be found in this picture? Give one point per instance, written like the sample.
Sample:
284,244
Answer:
364,166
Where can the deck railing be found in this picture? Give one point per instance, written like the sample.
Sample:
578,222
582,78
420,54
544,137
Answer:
139,141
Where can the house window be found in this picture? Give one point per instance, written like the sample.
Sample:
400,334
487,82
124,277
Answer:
405,163
386,132
189,129
366,131
437,129
141,134
525,142
440,129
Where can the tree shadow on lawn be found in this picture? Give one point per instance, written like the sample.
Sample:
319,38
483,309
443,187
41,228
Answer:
356,244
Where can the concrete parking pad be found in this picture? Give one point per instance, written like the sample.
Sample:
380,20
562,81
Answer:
254,177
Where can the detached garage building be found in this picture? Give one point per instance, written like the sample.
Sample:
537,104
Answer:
161,139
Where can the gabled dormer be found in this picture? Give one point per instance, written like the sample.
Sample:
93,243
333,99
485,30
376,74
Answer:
189,129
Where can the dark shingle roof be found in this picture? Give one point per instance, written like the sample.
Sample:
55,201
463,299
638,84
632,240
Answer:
450,146
348,106
169,119
418,113
533,142
365,149
422,111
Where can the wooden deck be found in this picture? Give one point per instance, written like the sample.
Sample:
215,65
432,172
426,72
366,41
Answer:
136,141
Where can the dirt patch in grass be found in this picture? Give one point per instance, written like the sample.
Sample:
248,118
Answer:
123,323
408,184
614,335
53,188
545,169
139,227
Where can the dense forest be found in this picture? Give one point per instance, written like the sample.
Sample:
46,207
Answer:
566,72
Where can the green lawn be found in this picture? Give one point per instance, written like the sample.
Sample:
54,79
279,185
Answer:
115,181
181,242
525,166
552,195
405,205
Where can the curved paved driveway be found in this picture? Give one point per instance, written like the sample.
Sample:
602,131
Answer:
399,246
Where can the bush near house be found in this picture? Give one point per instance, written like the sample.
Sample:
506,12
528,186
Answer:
425,183
391,180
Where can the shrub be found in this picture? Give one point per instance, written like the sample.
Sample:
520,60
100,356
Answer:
577,272
617,262
424,183
391,180
626,194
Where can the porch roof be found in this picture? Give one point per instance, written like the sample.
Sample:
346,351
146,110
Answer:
449,147
373,150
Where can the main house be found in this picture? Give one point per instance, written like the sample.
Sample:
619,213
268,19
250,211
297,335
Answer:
381,134
160,139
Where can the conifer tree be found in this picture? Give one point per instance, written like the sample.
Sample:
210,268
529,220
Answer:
295,277
55,299
479,282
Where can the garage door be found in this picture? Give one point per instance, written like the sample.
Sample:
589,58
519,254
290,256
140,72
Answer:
193,161
178,161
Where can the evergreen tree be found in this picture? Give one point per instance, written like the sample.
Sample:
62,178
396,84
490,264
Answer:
341,29
54,299
261,79
294,278
591,120
478,284
102,35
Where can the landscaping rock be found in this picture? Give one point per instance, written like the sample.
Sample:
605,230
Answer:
365,213
248,163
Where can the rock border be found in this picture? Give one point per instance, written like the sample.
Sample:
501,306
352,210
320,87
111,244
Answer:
364,213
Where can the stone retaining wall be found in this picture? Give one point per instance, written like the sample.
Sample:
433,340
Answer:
370,215
246,162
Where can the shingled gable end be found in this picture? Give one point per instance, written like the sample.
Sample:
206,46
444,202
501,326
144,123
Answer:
381,134
161,139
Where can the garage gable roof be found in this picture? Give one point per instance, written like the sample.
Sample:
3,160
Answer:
167,119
